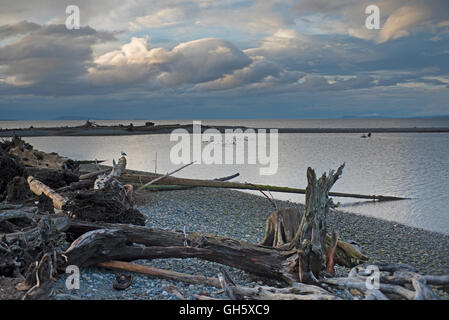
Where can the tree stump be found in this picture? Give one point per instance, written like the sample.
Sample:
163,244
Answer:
18,190
311,238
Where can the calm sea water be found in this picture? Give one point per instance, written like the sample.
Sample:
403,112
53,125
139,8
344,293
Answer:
411,165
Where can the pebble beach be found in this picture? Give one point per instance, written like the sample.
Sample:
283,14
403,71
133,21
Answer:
242,216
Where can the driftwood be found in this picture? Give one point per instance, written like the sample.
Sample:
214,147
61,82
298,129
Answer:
298,250
297,291
281,227
106,180
53,178
92,175
18,190
160,273
160,187
395,281
136,178
38,188
311,238
10,167
112,203
165,176
127,243
38,282
81,184
102,205
31,236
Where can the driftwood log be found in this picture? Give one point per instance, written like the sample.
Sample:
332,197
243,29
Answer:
160,273
39,188
142,179
101,242
107,179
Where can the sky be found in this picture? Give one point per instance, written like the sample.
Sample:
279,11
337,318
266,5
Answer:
228,59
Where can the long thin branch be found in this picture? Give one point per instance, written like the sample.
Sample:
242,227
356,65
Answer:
161,273
165,176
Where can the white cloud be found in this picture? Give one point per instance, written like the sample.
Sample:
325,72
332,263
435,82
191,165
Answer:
402,20
188,63
166,17
399,18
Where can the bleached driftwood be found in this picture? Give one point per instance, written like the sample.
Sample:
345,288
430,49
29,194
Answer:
38,188
311,238
296,291
117,170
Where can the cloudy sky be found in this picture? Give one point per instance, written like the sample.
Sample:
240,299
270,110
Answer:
210,59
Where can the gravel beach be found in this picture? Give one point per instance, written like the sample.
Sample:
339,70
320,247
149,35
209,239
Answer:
242,216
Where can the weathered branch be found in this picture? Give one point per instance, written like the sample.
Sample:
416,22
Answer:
297,291
107,242
116,172
160,273
137,178
38,188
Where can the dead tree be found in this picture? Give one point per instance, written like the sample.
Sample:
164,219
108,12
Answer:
311,238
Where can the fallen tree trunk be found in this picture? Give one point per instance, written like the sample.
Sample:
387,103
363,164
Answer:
100,242
142,179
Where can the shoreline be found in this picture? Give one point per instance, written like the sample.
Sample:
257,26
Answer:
125,130
242,216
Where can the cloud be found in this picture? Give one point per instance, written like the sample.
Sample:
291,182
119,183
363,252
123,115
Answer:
402,20
11,30
261,73
399,18
48,56
219,53
190,62
163,18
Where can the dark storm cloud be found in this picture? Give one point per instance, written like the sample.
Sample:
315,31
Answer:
49,57
11,30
